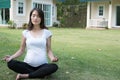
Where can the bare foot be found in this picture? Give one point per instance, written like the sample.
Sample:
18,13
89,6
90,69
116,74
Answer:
21,76
18,77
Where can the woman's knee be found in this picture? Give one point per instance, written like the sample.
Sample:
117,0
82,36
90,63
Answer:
10,64
54,67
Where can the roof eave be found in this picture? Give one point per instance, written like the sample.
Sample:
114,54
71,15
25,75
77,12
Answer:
93,0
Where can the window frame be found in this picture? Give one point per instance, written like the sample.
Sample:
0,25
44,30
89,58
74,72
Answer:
103,10
20,1
45,12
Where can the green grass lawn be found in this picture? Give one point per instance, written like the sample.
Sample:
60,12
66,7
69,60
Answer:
83,54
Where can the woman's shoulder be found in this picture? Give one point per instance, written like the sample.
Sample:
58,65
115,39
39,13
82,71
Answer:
47,31
25,32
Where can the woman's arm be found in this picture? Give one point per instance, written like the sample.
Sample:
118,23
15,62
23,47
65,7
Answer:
49,51
19,52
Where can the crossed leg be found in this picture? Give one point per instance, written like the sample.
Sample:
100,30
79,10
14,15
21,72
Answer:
27,71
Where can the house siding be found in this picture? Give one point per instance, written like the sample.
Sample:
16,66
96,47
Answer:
21,19
94,11
96,21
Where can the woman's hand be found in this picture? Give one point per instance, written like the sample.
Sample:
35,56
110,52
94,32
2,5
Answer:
54,59
7,58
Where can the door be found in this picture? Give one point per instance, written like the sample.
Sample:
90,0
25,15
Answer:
47,12
4,15
118,16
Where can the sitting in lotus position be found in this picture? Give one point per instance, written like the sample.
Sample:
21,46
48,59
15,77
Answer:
37,41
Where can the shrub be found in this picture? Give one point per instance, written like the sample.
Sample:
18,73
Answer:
25,26
11,24
56,24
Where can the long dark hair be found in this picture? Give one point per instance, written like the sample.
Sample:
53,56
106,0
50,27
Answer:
41,15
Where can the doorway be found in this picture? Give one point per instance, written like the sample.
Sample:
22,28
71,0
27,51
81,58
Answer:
118,16
4,15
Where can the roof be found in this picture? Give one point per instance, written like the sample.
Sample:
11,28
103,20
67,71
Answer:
4,3
86,0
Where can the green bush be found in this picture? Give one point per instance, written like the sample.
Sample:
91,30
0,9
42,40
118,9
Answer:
11,24
25,26
56,24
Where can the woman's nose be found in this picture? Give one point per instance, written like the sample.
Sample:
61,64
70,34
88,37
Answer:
35,17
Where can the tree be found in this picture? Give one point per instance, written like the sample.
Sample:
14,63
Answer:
71,2
71,13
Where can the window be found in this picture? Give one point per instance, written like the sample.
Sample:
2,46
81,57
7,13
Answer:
101,10
47,12
37,5
20,8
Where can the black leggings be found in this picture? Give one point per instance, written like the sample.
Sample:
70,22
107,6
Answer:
34,72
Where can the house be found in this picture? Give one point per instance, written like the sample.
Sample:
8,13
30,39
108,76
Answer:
18,11
103,13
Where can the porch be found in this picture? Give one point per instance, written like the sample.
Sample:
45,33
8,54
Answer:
101,23
103,14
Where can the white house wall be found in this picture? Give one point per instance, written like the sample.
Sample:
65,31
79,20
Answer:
28,9
94,10
21,19
95,19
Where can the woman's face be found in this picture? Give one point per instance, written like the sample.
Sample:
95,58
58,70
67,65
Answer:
35,18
